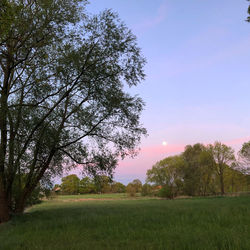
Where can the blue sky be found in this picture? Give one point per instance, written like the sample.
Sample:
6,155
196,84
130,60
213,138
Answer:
197,87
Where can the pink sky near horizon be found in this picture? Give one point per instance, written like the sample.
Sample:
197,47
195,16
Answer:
136,168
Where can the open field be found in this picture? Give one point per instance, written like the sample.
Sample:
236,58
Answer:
201,223
93,196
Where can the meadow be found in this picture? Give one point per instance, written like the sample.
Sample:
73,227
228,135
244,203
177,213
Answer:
117,222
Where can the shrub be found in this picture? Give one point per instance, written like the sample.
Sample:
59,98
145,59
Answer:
146,190
167,192
118,187
35,197
131,190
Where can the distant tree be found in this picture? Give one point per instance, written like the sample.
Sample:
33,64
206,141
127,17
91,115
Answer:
87,186
137,184
168,173
192,169
103,183
198,169
131,190
201,170
70,184
234,180
62,96
118,187
223,156
147,189
244,158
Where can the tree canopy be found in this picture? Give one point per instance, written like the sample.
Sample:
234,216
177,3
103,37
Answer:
62,98
201,170
244,157
223,156
70,184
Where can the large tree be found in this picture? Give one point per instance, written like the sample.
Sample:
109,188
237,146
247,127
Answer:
223,156
62,98
168,173
198,169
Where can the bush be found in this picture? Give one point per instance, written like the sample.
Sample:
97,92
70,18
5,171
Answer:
118,187
146,190
131,190
167,192
35,197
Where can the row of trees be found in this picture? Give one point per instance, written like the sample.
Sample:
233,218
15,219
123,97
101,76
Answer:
71,184
199,170
203,170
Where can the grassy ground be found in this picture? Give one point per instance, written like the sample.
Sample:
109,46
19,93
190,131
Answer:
92,196
208,223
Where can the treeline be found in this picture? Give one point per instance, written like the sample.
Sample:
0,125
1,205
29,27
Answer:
202,170
199,171
72,184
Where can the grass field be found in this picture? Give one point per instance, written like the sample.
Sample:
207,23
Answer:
93,196
121,223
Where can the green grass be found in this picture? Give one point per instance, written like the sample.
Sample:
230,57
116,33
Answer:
205,223
92,196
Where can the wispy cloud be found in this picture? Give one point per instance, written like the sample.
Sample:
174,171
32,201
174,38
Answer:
152,22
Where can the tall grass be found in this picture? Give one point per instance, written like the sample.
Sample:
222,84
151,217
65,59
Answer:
205,223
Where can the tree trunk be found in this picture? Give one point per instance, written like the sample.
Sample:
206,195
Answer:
21,201
27,191
4,208
20,206
222,184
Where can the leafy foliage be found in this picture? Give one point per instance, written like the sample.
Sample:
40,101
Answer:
131,190
87,186
102,183
167,192
223,156
167,173
62,98
70,184
137,184
118,187
201,170
244,157
147,190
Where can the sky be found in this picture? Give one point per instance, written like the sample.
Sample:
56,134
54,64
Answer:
197,87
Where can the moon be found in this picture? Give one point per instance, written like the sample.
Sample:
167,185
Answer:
164,143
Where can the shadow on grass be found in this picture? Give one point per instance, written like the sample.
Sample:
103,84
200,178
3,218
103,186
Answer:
203,223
